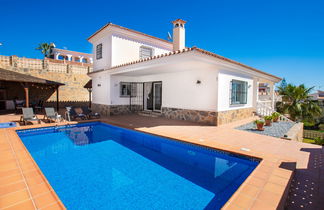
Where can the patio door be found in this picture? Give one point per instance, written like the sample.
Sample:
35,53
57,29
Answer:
157,93
153,96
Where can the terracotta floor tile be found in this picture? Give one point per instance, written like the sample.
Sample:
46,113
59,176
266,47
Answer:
257,182
11,179
44,200
274,188
250,190
260,205
13,198
39,189
34,180
11,172
25,205
278,180
243,201
54,206
12,188
8,166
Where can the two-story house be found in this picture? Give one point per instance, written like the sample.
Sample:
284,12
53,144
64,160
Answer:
133,71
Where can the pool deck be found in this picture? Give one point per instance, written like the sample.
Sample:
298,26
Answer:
23,186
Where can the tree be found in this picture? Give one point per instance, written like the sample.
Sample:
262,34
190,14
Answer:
45,48
297,103
283,84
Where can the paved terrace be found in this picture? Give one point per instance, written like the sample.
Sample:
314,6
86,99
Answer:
23,185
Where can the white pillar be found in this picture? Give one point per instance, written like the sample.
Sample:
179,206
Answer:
91,60
81,58
272,94
69,57
57,54
255,91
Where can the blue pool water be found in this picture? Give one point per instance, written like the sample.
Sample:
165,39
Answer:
7,125
100,166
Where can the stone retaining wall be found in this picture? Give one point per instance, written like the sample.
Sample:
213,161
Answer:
225,117
107,110
207,117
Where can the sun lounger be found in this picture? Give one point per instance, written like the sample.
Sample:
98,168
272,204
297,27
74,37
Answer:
51,115
89,113
28,115
74,113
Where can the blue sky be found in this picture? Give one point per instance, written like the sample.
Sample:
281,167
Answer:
285,38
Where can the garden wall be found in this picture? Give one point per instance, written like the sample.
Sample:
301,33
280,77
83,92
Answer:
72,74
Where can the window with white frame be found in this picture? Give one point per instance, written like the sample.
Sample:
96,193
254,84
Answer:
127,89
99,51
146,52
238,92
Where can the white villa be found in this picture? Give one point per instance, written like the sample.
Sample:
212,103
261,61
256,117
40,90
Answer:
133,71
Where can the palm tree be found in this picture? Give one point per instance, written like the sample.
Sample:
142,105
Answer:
45,48
297,103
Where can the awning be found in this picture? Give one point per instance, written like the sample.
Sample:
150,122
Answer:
88,85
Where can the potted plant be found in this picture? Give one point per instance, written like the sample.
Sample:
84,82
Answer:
275,116
268,120
259,124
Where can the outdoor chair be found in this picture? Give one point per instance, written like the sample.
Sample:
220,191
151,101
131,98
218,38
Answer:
88,112
28,115
51,115
72,114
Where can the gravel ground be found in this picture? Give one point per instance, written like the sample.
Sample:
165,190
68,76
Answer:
278,129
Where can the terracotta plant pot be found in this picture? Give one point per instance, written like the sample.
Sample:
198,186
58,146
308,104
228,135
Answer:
260,126
268,122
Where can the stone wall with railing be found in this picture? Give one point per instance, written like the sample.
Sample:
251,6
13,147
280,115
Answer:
72,74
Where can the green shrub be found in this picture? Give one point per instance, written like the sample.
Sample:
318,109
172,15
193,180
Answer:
268,117
321,127
319,141
258,122
275,114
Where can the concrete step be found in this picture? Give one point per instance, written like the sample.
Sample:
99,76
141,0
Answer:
149,113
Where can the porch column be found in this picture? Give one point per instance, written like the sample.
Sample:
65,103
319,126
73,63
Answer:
57,99
255,92
272,94
69,57
26,90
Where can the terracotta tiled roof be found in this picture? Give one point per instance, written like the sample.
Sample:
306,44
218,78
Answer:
190,50
6,75
127,29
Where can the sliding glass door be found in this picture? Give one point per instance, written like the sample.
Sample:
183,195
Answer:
153,96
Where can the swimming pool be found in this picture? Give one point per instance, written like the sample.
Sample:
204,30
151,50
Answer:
100,166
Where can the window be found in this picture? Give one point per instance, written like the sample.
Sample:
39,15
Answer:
99,51
127,89
238,92
146,52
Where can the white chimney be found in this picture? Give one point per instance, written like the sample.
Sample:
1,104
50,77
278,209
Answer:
179,34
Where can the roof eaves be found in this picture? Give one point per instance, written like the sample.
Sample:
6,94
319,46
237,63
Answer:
127,29
188,50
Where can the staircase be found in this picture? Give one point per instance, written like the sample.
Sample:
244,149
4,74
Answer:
148,113
262,109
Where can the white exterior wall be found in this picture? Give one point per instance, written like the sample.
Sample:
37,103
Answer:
125,50
224,88
101,88
179,89
105,61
